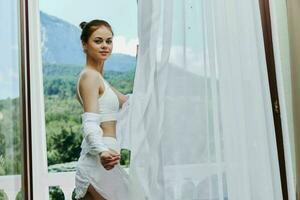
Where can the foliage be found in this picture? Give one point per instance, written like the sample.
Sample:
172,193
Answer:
60,81
63,141
19,196
2,195
56,193
62,117
10,143
60,86
62,167
125,157
122,81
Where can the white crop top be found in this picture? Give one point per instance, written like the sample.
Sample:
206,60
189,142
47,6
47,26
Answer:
108,102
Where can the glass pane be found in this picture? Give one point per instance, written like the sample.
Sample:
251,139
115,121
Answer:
10,119
63,59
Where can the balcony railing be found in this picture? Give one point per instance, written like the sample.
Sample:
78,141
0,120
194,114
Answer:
11,185
190,182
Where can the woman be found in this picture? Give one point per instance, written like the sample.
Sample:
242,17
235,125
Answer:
98,173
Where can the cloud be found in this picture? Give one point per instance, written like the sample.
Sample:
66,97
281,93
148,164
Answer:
125,46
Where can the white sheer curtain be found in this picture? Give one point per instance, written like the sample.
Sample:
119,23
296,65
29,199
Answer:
200,122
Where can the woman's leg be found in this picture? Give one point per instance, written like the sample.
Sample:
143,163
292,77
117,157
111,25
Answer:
92,194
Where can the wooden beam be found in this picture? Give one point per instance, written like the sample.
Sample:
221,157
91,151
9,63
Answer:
25,106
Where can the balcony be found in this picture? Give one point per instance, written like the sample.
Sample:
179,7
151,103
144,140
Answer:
11,185
191,182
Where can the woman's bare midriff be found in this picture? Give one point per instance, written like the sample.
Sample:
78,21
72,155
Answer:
109,128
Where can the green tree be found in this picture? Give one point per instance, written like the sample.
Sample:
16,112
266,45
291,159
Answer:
63,141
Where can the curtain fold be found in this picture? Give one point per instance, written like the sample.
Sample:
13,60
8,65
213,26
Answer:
200,123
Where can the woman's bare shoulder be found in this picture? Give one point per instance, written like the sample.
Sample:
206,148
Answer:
89,86
89,78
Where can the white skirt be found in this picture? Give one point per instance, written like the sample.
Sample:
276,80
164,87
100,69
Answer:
111,184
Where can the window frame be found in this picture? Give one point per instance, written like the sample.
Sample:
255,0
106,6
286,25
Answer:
35,180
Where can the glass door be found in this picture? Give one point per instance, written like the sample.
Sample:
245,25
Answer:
11,106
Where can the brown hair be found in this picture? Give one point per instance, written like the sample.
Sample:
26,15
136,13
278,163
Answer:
89,27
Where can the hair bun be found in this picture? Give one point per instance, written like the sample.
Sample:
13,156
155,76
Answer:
82,25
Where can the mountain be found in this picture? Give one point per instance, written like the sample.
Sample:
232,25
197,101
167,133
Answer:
120,63
60,41
61,45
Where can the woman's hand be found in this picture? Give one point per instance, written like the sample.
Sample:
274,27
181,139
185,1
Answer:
109,159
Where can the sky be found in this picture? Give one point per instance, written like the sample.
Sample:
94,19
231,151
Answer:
9,57
121,14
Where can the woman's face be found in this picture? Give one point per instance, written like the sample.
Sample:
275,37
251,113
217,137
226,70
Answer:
100,44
